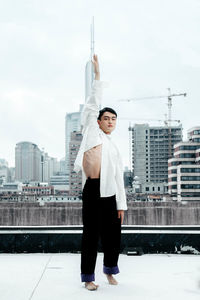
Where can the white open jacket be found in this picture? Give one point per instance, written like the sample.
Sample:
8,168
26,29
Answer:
111,174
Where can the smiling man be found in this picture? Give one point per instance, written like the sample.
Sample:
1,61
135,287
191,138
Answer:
104,199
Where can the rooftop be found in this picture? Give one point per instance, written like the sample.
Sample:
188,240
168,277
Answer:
57,276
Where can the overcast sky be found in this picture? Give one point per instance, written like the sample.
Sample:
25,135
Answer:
144,47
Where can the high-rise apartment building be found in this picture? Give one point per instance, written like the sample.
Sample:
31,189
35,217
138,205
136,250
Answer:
75,179
184,168
72,123
49,167
32,164
151,147
27,162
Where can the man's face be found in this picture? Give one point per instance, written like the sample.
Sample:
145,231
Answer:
107,122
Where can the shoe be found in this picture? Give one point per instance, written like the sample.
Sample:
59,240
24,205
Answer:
90,286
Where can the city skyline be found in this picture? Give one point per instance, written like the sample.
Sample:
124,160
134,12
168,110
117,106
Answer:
144,47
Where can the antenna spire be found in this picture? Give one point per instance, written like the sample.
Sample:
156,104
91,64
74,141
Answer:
89,69
92,39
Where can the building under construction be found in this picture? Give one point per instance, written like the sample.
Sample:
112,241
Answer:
151,147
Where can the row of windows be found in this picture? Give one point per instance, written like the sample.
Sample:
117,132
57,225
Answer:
153,174
162,169
166,137
187,155
173,179
164,130
190,178
176,163
153,189
190,195
174,186
188,147
190,186
190,170
158,181
156,151
196,131
159,147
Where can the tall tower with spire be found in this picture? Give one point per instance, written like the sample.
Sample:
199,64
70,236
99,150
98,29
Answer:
89,73
73,120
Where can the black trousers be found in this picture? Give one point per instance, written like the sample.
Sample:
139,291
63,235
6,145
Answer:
100,220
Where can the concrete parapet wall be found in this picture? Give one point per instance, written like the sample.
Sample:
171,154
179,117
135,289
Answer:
164,213
139,213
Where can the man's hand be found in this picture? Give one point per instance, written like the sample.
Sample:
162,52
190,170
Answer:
96,67
121,215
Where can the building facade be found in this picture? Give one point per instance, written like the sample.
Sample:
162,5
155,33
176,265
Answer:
75,179
184,168
151,147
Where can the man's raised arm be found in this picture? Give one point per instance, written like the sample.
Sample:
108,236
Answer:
91,108
96,67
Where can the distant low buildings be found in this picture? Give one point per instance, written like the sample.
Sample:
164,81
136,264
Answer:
11,188
184,168
59,182
38,190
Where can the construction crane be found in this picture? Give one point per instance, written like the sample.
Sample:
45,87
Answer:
157,120
168,120
169,96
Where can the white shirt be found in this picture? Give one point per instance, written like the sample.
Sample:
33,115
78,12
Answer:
111,173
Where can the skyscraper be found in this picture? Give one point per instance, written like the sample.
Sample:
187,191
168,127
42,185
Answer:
150,148
27,162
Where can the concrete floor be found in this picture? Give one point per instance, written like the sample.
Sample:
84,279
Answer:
57,277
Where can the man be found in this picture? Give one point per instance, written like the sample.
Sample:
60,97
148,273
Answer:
104,199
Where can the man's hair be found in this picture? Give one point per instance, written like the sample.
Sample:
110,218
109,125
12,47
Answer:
102,111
